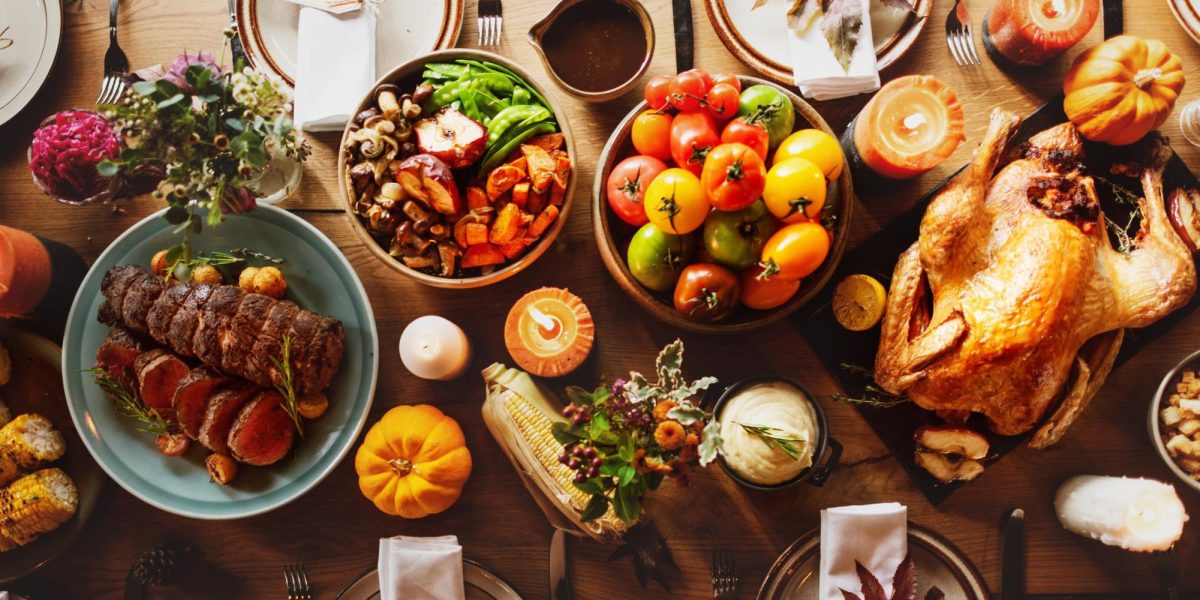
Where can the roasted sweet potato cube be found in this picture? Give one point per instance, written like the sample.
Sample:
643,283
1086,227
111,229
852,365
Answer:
476,198
477,233
538,201
520,194
543,221
514,248
550,141
557,195
519,162
562,172
541,167
482,255
503,179
505,227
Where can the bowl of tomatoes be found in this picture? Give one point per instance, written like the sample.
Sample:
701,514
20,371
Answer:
721,203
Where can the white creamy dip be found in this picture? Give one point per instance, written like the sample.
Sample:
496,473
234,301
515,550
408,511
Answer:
777,405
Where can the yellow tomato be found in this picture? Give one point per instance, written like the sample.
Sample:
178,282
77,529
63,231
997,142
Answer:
795,190
675,202
795,251
815,145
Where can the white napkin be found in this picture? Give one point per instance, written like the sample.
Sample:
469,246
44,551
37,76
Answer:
335,66
816,70
875,535
413,568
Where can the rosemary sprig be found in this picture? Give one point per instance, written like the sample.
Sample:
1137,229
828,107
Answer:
129,404
776,438
865,372
285,386
872,396
232,257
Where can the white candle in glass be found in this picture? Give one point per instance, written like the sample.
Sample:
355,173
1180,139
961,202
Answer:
1142,515
434,348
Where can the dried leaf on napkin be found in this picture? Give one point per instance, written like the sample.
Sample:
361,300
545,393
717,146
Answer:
796,18
758,4
842,21
897,4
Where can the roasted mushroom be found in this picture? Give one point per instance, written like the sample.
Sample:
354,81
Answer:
449,254
381,220
387,96
361,117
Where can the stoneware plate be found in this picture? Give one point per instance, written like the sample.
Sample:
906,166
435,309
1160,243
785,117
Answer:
796,572
30,32
478,582
759,38
1188,14
405,28
319,279
36,387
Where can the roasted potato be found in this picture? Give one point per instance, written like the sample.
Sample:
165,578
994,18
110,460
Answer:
246,278
312,406
221,468
269,281
158,264
207,274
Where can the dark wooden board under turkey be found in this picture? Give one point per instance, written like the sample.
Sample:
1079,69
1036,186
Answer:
876,256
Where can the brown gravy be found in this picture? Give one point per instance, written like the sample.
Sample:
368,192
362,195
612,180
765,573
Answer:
595,45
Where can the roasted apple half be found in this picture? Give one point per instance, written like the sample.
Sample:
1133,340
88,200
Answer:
951,453
428,179
1184,211
455,138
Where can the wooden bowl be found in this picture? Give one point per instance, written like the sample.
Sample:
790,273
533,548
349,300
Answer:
407,76
613,234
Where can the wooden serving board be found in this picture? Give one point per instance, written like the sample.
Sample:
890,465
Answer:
849,355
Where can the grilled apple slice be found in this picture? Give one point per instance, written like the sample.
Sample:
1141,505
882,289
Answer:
455,138
1184,211
953,440
946,469
430,180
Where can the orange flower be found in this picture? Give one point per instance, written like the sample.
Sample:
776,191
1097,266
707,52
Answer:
657,466
669,435
639,460
692,440
662,408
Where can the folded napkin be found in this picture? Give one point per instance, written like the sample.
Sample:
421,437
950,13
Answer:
817,71
413,568
335,66
875,535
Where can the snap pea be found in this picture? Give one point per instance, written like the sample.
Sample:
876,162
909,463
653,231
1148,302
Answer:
520,95
448,70
470,106
495,82
514,115
444,95
488,103
431,75
517,79
498,154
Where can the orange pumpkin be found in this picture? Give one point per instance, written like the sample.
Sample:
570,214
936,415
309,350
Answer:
413,462
1122,89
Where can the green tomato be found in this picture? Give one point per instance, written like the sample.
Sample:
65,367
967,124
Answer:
736,239
656,257
771,108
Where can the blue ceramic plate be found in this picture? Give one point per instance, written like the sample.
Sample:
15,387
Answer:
319,279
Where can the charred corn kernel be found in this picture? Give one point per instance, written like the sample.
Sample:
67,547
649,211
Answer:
35,504
28,442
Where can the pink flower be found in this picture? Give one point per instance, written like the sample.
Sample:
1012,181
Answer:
177,72
64,154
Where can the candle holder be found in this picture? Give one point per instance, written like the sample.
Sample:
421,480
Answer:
1020,34
549,332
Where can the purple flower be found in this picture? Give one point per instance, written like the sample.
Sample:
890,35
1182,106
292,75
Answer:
64,154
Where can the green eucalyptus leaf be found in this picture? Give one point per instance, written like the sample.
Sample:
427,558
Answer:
145,88
692,389
670,365
172,101
711,445
166,88
687,413
596,507
235,125
107,168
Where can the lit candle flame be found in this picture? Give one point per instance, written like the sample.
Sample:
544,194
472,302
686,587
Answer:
548,326
914,121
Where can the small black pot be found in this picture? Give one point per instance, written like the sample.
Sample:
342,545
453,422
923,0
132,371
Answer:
816,474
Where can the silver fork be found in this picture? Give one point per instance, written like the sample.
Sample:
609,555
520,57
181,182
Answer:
724,574
116,65
296,580
491,22
959,37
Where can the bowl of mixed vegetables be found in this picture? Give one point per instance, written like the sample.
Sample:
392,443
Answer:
721,203
456,169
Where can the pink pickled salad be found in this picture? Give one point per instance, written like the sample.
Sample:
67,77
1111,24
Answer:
65,152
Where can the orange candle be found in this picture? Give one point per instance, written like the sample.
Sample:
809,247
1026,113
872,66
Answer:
911,125
1034,32
25,272
549,332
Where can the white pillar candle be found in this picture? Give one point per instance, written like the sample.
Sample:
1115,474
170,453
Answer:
1142,515
434,348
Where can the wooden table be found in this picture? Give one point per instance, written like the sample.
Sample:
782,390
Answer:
335,531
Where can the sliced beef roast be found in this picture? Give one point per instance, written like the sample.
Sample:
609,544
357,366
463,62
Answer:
221,411
158,374
117,353
263,431
237,340
139,298
214,320
113,286
191,398
183,324
158,321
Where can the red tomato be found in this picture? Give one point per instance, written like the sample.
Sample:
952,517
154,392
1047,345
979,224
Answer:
706,292
657,90
762,293
687,91
733,177
721,102
703,75
729,78
652,134
693,135
741,131
627,185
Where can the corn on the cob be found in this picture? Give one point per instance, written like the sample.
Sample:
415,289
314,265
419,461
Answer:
520,416
26,443
35,504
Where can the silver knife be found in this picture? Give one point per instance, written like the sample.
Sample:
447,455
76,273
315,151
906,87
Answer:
684,51
1012,571
560,580
235,43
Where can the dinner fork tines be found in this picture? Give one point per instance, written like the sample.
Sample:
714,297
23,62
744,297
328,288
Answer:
491,22
959,36
296,580
724,574
116,65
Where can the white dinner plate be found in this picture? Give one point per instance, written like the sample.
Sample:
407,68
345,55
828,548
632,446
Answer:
30,32
1187,12
404,29
479,583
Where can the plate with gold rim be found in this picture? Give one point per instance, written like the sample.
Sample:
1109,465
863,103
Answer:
479,583
30,34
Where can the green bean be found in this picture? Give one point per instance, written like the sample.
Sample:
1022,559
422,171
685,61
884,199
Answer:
445,95
496,155
515,115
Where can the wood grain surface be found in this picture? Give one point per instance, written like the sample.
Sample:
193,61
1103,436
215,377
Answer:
335,532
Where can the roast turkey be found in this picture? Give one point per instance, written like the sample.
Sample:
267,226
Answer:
1013,300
